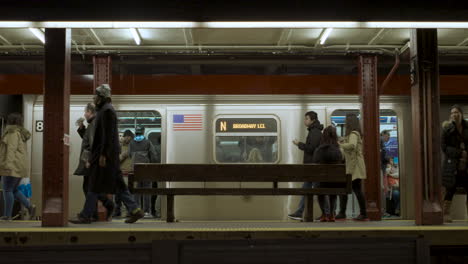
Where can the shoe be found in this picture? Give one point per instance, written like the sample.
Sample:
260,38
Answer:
331,218
148,215
324,218
110,209
295,216
361,218
117,213
32,211
135,216
80,220
340,217
6,218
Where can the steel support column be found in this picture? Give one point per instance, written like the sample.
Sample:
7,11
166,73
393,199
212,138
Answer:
425,102
102,70
102,74
55,171
369,97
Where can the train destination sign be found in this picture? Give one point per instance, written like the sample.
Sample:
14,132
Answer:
232,125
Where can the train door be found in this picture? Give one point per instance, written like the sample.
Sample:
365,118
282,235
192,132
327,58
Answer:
142,125
390,169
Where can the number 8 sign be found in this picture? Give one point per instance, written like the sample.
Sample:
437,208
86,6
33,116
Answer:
39,126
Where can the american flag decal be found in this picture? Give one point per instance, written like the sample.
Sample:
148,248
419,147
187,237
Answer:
191,122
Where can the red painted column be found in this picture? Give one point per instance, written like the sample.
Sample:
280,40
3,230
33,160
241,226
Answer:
55,171
369,97
102,70
425,103
102,74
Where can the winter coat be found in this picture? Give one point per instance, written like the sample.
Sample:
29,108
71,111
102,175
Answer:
328,154
87,135
312,142
352,149
125,159
451,141
13,152
105,143
142,152
384,159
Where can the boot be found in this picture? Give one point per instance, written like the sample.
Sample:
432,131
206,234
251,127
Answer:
447,218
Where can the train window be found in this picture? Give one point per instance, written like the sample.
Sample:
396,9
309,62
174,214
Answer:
149,120
246,139
390,170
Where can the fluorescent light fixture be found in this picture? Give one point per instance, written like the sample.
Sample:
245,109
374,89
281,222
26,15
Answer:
38,33
232,24
325,35
136,35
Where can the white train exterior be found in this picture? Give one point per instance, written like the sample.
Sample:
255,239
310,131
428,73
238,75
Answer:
198,146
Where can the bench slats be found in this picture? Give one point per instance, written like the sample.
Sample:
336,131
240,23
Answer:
240,173
243,191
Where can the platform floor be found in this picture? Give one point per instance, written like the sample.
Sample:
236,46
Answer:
145,231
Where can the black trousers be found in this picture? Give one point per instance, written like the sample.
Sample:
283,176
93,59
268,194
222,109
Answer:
357,189
101,197
460,181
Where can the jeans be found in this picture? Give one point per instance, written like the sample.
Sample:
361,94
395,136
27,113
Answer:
323,200
10,192
144,200
396,199
357,189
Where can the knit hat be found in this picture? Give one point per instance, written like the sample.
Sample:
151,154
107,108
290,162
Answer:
103,90
128,133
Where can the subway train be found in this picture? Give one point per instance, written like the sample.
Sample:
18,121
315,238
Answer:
192,129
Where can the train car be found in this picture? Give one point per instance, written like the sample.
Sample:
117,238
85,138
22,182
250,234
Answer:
192,129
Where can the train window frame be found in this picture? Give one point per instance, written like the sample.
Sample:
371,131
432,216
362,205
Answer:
148,131
227,134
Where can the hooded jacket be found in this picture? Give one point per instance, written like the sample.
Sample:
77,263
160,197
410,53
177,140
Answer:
312,142
142,151
13,151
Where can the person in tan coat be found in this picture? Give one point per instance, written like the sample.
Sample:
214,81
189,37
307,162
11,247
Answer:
13,164
352,150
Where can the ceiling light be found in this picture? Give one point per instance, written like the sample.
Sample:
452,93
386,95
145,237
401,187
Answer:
38,33
325,35
136,35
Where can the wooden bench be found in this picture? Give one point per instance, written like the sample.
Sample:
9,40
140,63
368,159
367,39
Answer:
332,173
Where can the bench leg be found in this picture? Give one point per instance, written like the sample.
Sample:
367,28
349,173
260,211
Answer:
170,209
309,208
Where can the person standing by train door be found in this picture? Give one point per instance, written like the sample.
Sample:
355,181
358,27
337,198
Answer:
13,165
313,141
384,161
105,176
87,135
141,150
454,145
125,167
355,165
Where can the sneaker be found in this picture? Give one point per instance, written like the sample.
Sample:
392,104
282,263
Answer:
80,220
138,214
340,217
32,211
148,215
361,218
295,216
331,218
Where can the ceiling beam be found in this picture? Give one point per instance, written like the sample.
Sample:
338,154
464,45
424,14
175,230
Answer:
405,47
317,42
463,43
285,36
4,41
92,34
188,36
382,32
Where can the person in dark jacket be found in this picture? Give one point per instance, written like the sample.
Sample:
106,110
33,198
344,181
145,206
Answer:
105,176
313,141
454,145
384,161
141,150
87,135
328,153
